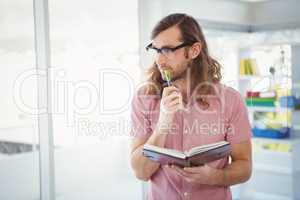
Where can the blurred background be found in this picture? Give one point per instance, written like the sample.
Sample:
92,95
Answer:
95,60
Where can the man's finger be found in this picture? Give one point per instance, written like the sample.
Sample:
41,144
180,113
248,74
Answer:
193,169
174,103
169,90
171,97
179,170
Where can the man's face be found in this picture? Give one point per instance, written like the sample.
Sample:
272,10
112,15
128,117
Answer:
176,62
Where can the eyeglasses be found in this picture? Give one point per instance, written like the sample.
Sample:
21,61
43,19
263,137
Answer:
166,51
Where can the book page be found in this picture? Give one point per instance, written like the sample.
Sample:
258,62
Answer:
204,148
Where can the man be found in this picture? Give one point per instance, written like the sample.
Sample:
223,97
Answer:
194,110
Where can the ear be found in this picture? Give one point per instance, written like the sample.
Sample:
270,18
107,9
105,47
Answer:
195,50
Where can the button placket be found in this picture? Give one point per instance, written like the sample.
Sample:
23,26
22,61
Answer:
186,195
185,132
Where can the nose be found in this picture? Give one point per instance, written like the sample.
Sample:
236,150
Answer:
160,59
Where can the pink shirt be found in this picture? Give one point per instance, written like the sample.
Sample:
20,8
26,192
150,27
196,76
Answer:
225,119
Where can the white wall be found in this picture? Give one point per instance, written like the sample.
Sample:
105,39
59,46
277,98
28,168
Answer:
215,10
275,12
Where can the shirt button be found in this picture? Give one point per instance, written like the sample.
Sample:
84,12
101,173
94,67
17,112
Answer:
185,131
185,194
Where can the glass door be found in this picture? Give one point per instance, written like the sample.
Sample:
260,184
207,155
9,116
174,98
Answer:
94,50
19,142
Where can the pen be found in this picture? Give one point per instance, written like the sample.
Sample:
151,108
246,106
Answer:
167,75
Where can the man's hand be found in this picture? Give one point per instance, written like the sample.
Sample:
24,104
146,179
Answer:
202,174
171,100
238,171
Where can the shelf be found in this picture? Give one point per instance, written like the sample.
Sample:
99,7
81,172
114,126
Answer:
264,196
275,160
271,153
273,169
269,109
279,140
283,124
249,77
253,77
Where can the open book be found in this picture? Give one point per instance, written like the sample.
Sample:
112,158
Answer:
194,157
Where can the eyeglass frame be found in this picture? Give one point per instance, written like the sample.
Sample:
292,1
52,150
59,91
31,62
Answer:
171,49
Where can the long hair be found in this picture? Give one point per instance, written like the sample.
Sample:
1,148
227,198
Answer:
204,69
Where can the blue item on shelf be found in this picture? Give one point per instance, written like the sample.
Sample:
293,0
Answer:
289,101
271,133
